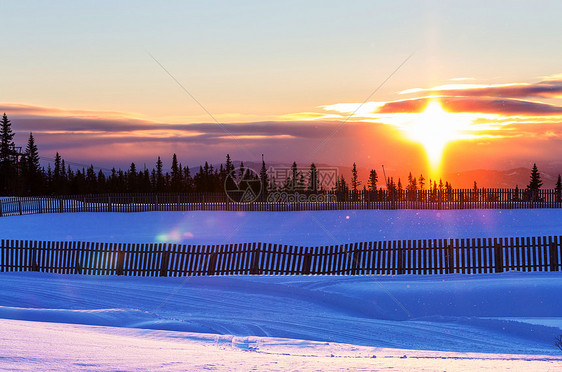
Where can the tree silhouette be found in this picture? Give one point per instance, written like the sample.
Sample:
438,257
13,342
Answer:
31,169
535,182
354,179
373,179
8,157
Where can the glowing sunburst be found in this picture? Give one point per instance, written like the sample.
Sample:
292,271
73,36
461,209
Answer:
434,129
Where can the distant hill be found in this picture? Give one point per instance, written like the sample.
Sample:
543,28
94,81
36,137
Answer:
488,178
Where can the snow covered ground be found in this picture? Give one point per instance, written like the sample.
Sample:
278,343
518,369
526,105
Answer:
449,322
442,322
297,228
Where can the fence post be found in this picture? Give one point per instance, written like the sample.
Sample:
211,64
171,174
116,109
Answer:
355,260
498,250
164,264
401,258
553,253
1,213
34,264
120,262
60,204
450,260
109,203
211,268
19,206
255,269
78,268
307,263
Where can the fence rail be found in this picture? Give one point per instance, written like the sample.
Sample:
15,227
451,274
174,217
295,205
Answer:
380,199
425,257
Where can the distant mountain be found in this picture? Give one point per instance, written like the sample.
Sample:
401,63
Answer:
487,178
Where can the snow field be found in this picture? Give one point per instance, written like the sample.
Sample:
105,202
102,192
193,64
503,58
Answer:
440,322
295,228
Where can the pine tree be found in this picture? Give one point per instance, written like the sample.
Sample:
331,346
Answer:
373,179
132,178
91,180
188,180
295,176
8,158
354,179
264,178
159,176
176,175
421,181
32,175
342,185
6,142
313,178
57,175
101,182
229,167
535,182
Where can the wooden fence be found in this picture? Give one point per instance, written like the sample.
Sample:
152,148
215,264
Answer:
282,201
434,256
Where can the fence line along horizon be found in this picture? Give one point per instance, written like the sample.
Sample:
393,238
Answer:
297,201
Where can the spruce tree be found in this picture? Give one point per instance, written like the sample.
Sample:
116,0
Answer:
354,178
421,181
132,178
188,179
31,168
176,175
295,176
373,179
159,176
101,182
57,175
535,182
264,179
6,142
313,178
8,158
229,167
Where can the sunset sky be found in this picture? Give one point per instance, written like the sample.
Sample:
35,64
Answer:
466,86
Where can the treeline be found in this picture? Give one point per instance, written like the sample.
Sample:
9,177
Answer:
21,174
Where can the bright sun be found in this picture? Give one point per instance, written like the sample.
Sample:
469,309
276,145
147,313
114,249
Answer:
434,129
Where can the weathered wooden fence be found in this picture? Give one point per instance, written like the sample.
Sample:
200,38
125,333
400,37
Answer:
282,201
434,256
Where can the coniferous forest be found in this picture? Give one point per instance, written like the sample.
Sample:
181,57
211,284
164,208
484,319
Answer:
21,174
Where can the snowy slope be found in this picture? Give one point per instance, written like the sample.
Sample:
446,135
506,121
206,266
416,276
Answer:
448,312
443,322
